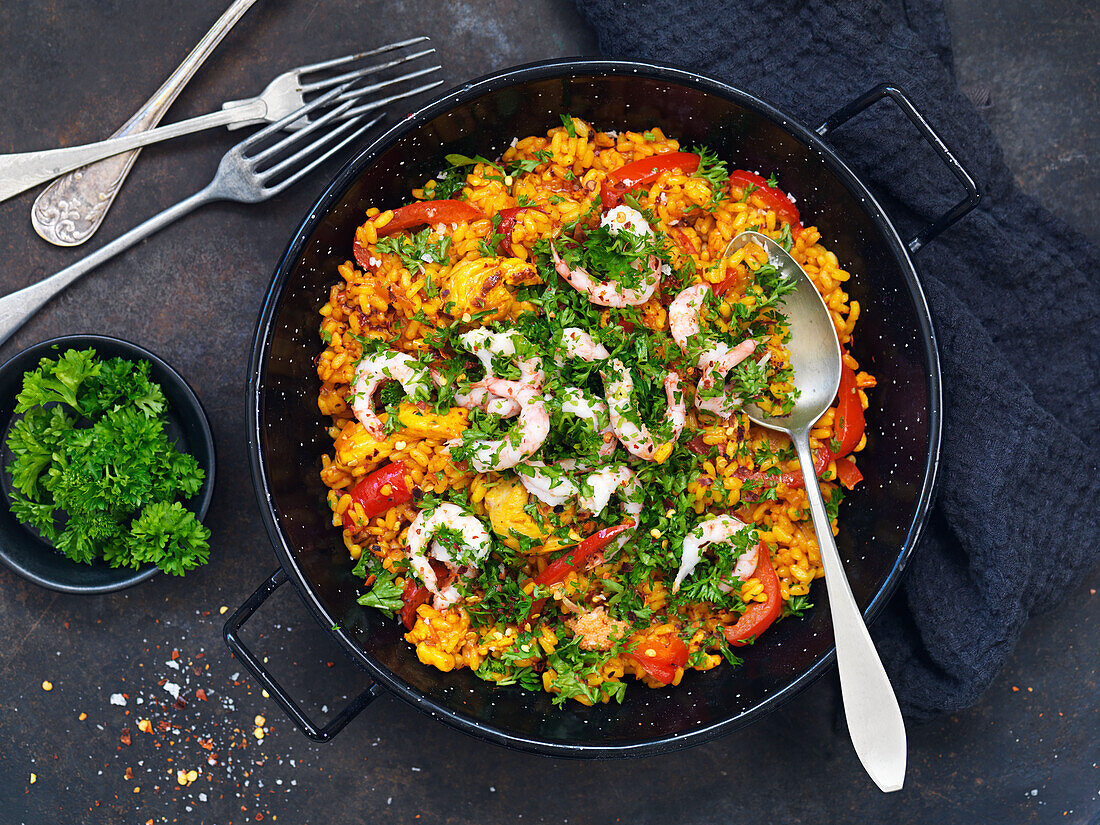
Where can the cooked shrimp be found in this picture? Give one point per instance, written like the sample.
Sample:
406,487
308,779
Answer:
371,371
584,405
707,533
628,218
549,489
716,360
480,397
485,343
554,489
743,568
608,293
635,436
530,430
579,344
607,480
459,558
683,314
715,364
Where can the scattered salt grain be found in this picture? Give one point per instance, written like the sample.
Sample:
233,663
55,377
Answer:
172,663
118,699
173,689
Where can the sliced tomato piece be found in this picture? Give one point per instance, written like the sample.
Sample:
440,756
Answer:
508,222
660,656
847,473
413,596
575,558
379,491
759,615
429,212
848,422
774,199
643,171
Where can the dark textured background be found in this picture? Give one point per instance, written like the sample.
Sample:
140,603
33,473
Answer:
1028,752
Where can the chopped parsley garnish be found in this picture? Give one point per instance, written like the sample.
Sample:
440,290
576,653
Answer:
714,172
384,593
796,606
415,250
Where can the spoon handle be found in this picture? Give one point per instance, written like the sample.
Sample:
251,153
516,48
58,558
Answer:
874,718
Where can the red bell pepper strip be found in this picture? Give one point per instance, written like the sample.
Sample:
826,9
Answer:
363,257
847,473
416,594
370,493
661,656
848,421
759,615
429,212
508,222
771,197
413,596
575,558
643,171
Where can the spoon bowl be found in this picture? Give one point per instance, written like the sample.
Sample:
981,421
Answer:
814,348
870,707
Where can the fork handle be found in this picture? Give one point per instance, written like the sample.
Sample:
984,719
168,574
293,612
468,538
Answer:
870,706
22,170
72,208
18,307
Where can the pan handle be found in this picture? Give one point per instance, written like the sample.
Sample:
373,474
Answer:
253,665
899,97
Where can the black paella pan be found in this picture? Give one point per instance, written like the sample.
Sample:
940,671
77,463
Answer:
881,520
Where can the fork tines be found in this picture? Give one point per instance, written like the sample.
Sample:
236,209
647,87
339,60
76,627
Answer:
359,92
274,159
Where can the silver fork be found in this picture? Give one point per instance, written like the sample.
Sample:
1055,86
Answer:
250,172
283,95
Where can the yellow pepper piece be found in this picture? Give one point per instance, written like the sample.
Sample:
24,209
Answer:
428,424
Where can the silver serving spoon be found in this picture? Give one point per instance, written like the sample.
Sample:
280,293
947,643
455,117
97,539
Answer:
874,719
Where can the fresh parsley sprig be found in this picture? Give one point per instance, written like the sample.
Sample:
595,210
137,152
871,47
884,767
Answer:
94,471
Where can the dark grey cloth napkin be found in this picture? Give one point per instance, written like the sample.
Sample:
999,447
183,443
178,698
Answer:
1014,296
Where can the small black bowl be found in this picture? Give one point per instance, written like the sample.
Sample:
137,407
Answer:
34,558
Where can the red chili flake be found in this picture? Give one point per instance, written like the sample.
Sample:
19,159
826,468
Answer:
200,694
175,654
161,682
162,725
129,773
331,664
180,703
125,737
